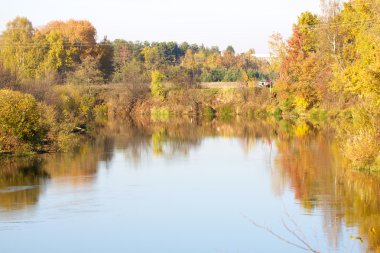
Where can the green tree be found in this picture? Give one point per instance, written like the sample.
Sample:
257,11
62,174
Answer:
156,86
17,51
79,37
55,57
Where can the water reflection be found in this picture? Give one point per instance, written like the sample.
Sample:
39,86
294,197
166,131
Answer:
306,158
21,182
316,172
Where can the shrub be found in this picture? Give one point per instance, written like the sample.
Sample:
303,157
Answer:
74,104
21,117
87,104
66,98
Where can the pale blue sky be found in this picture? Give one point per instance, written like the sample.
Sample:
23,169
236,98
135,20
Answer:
242,23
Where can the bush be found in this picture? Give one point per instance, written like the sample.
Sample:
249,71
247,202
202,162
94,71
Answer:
66,99
74,104
20,118
87,104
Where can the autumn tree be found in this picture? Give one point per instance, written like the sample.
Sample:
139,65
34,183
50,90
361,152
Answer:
302,78
357,70
78,36
17,50
54,55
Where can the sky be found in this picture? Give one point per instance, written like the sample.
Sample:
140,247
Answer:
244,24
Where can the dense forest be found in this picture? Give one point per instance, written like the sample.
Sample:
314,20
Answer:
329,70
68,52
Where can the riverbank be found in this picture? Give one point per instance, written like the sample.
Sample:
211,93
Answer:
355,126
222,103
64,115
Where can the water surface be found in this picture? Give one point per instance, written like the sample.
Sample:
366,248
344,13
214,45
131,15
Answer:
191,186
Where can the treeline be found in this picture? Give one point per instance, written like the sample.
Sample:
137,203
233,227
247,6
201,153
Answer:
332,63
67,52
183,64
39,114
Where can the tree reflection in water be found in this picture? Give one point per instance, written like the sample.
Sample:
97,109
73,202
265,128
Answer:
316,172
306,157
21,182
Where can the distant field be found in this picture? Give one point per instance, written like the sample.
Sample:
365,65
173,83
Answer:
221,85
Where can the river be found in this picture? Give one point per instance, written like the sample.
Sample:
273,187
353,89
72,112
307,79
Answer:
186,185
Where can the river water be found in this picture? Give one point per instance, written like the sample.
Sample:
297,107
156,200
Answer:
191,186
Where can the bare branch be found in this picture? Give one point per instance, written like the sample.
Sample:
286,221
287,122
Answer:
298,237
295,224
280,237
